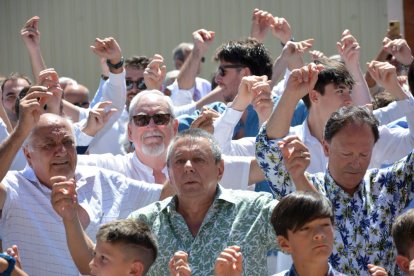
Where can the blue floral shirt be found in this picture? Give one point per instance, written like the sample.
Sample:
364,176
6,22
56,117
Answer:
363,220
235,218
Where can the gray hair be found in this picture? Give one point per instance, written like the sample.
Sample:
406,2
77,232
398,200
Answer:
137,98
181,49
195,133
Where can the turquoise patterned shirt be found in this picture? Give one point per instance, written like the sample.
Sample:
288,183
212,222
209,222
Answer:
235,218
363,220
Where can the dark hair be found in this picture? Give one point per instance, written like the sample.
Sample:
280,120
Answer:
21,95
297,209
137,62
135,235
249,53
382,99
410,76
347,115
403,232
15,76
195,133
334,72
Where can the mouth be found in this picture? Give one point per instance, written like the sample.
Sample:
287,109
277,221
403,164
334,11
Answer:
60,163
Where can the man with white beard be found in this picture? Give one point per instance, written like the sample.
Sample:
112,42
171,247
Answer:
151,127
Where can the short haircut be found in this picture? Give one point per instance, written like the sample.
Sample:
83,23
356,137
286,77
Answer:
248,52
137,62
403,232
193,134
15,76
297,209
136,99
347,115
135,235
181,50
334,72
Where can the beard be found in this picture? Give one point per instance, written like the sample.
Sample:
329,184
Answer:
153,149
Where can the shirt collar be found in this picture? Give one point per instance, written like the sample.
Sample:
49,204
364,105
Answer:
221,195
147,169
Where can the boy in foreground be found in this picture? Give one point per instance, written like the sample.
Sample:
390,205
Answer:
123,247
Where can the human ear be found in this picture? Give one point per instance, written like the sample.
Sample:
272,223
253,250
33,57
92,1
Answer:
403,263
129,132
314,96
26,153
325,146
284,244
137,268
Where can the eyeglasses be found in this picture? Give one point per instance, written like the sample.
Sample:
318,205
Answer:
221,69
144,119
140,84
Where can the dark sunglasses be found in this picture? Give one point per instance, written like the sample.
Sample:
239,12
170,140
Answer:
144,119
140,84
222,68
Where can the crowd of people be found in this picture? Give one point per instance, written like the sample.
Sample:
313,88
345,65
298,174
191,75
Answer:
275,166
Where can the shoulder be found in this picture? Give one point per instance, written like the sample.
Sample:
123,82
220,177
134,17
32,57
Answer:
150,212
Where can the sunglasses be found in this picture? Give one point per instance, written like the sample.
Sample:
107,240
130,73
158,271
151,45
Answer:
144,119
222,68
140,84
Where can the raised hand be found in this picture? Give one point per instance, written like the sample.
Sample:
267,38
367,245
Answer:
261,22
303,80
281,29
245,93
50,79
205,120
293,52
178,264
229,262
399,49
107,48
316,54
155,72
202,40
296,156
349,50
30,34
375,270
385,74
98,117
64,197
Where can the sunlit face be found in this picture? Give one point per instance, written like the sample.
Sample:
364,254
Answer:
11,91
135,75
334,98
193,170
110,259
349,155
229,83
312,243
153,139
51,150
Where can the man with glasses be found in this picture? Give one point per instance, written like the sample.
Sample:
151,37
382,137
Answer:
151,127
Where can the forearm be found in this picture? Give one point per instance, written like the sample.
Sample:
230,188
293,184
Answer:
279,122
360,91
188,72
279,68
9,149
215,95
71,110
302,183
37,62
6,121
256,174
80,246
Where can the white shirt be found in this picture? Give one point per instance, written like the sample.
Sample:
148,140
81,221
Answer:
236,169
29,220
183,96
19,161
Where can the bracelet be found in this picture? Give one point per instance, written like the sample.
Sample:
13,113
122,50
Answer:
283,44
11,261
115,66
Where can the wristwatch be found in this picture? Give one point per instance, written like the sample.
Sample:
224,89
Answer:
115,66
11,261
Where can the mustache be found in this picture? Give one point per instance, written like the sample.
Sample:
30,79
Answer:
152,133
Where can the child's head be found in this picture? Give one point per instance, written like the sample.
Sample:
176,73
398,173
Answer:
303,222
123,247
403,235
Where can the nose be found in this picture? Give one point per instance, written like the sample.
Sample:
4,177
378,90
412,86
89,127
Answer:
188,166
92,263
356,164
347,98
61,150
319,234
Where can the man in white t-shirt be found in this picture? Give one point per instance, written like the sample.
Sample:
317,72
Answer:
27,216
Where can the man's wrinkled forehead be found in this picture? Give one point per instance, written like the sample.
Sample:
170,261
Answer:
52,125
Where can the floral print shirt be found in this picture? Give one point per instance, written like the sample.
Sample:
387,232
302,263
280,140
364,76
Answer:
235,218
363,220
